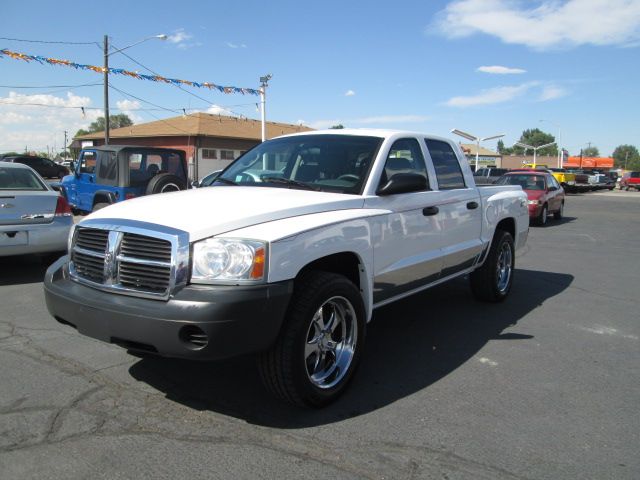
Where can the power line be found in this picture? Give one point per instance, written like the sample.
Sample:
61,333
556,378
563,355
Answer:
142,100
48,41
177,86
52,86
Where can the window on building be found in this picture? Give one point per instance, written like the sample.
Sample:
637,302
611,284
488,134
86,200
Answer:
209,153
226,155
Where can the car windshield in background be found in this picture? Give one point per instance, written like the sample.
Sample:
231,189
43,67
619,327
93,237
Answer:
527,182
331,163
19,179
635,175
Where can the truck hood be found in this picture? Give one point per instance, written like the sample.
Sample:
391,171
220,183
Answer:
209,211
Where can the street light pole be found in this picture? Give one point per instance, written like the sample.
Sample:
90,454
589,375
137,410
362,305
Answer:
264,83
476,139
106,77
535,149
558,142
106,90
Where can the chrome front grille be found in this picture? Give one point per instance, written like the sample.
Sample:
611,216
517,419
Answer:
130,259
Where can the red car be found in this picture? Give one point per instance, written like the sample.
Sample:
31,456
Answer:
630,180
545,193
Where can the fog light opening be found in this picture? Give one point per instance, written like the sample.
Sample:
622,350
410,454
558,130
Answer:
194,337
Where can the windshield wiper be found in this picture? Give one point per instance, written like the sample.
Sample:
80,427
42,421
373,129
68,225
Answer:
288,181
225,181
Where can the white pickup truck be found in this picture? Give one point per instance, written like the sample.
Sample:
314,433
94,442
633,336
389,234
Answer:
288,254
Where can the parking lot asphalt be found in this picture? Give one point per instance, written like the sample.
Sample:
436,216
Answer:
543,386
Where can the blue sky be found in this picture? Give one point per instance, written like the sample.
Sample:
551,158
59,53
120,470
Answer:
482,66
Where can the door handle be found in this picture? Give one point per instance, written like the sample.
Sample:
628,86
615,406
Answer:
429,211
472,205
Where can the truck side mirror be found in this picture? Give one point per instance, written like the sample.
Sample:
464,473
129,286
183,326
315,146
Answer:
403,183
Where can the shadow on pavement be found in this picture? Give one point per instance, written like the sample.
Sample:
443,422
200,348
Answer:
411,344
552,222
23,269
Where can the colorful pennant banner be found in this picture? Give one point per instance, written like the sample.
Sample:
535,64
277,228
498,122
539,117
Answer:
120,71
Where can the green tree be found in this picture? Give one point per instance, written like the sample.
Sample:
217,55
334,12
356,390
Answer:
536,137
115,121
591,152
502,150
626,156
338,127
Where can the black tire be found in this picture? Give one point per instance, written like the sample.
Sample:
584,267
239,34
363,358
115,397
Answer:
285,368
560,213
486,284
164,183
543,217
99,206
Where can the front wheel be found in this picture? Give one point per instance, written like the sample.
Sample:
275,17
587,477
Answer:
492,281
320,344
542,218
560,213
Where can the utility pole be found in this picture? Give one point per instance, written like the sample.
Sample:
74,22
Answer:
106,90
65,144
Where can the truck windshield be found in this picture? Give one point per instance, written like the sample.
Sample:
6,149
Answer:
332,163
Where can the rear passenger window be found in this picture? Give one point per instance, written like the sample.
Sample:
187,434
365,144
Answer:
405,156
448,171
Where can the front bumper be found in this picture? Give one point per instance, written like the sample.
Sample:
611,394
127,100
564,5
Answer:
202,322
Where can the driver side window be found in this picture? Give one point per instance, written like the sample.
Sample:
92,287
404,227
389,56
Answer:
405,156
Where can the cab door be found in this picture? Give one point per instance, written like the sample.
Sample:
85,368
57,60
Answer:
460,210
407,239
86,179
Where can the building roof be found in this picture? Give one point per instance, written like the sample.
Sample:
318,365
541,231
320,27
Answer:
201,124
470,149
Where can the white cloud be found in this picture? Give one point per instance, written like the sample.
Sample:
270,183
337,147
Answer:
500,70
547,24
218,110
537,90
180,39
349,93
551,92
128,107
179,36
235,45
367,121
24,124
491,96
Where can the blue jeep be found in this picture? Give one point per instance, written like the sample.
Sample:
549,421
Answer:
113,173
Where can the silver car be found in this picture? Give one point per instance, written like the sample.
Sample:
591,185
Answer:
34,218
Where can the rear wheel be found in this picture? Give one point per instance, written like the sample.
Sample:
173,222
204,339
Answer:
492,281
320,344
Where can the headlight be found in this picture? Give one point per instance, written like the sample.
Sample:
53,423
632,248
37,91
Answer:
228,260
533,202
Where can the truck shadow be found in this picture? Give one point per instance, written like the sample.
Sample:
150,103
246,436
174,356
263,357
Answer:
411,344
24,269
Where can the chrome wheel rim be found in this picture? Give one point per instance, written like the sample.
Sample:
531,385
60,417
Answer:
543,216
503,269
170,187
330,342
